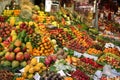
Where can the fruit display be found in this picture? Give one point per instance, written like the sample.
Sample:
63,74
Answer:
5,30
2,18
110,59
94,51
36,40
16,55
20,78
6,75
72,60
33,67
105,78
61,54
46,48
51,76
88,65
50,59
54,46
79,75
75,45
26,27
112,50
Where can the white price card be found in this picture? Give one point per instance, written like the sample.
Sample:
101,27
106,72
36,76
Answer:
37,76
48,4
77,54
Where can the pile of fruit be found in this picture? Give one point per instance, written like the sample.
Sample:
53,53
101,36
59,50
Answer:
110,59
6,75
47,75
94,51
16,55
5,30
33,67
79,75
88,65
46,44
112,50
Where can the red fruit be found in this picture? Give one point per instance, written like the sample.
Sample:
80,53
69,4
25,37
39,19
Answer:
10,56
47,62
49,58
17,49
20,56
54,58
26,56
24,49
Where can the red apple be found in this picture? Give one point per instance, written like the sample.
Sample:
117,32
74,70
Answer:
20,56
54,57
47,62
49,58
10,56
27,56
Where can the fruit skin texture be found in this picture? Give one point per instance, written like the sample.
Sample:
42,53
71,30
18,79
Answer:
6,63
26,69
10,56
33,61
23,64
15,64
18,43
27,56
20,56
17,49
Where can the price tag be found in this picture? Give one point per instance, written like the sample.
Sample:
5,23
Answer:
48,4
90,56
37,76
61,72
77,54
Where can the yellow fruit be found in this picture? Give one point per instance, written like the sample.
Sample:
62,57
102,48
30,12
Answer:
34,61
40,71
44,68
36,68
26,69
30,76
40,64
31,70
24,74
12,21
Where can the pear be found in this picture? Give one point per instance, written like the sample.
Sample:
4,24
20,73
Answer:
23,64
15,64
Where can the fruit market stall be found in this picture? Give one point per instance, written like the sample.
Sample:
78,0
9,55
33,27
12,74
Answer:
36,45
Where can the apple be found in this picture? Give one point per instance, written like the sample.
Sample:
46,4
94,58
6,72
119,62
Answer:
27,56
17,49
10,56
54,57
15,64
20,56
